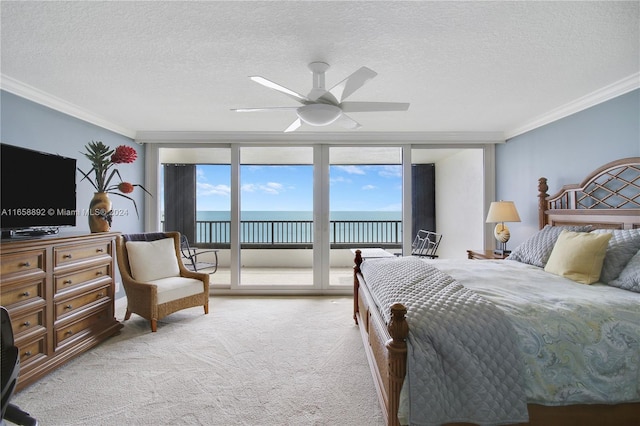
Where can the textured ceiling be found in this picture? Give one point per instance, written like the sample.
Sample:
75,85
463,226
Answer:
181,66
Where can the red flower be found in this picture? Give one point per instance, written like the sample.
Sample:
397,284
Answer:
124,154
125,187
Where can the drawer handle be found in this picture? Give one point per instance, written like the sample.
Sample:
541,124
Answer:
26,294
99,273
25,264
66,282
100,295
26,323
68,307
27,353
100,250
69,332
67,256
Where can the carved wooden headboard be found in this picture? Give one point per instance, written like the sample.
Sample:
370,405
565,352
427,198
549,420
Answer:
608,198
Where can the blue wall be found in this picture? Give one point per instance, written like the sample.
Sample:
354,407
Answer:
564,152
28,124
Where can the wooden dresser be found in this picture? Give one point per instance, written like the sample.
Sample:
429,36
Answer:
59,292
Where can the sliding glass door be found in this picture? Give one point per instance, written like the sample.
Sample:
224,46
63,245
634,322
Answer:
276,217
365,205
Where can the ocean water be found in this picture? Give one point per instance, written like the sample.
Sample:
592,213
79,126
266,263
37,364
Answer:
298,215
359,227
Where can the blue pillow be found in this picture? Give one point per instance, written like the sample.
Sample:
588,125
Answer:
629,278
623,245
537,248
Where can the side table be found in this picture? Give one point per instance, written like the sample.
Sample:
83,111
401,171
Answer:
485,254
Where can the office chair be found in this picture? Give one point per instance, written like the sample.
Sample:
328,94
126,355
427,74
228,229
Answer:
10,371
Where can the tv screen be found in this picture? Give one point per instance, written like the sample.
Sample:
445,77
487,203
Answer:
37,189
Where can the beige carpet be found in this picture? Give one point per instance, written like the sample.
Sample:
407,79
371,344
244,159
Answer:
251,361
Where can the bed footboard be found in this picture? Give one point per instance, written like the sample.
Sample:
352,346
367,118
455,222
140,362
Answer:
385,344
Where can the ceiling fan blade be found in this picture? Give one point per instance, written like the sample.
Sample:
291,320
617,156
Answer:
352,83
348,122
275,86
294,126
264,109
373,106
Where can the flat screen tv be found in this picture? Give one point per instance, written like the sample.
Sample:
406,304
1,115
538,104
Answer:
37,190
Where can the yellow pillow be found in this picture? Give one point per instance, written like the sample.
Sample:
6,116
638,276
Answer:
578,256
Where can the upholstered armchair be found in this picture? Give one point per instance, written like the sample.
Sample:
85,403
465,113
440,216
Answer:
154,278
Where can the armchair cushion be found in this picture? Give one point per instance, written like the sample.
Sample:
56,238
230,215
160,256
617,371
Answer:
152,260
174,288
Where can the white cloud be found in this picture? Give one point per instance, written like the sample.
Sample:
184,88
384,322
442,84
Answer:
352,170
273,188
249,187
204,189
390,171
368,187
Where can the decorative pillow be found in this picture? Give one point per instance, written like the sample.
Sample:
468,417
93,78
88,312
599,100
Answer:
537,248
152,260
578,256
623,245
629,278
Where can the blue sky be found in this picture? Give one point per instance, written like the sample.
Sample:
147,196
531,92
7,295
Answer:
289,188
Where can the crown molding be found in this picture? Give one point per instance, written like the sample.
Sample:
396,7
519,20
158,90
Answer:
601,95
31,93
38,96
376,138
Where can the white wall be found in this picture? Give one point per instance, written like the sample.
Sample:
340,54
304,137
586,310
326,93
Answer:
459,203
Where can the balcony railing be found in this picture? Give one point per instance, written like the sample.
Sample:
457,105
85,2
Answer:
299,233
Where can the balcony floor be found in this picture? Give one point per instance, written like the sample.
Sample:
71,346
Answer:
280,276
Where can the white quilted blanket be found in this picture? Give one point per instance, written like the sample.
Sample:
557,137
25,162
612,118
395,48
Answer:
463,360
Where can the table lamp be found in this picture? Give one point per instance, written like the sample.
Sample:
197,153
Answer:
501,212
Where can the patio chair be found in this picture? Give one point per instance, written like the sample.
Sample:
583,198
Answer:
154,278
191,255
426,244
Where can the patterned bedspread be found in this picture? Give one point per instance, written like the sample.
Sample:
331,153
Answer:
462,364
577,343
580,343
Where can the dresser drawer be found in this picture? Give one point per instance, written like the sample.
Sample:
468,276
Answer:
31,353
28,291
16,264
28,323
66,255
69,281
69,306
81,328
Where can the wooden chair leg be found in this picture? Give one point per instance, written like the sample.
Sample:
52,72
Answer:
127,315
154,325
206,308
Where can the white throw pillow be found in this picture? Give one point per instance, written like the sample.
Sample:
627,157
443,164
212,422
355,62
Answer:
152,260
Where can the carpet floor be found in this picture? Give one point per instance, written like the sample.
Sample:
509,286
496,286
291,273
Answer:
251,361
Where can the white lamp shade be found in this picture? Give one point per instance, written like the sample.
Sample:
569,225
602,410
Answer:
502,211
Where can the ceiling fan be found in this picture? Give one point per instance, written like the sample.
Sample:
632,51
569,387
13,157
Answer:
322,107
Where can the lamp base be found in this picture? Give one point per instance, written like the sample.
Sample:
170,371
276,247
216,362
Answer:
501,252
501,249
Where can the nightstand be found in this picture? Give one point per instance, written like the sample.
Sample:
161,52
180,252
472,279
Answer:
485,254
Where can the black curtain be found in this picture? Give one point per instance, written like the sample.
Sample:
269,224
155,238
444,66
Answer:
423,197
180,199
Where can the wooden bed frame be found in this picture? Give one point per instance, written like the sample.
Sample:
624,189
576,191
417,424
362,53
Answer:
608,198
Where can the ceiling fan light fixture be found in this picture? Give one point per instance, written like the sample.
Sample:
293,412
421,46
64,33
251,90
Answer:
319,114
